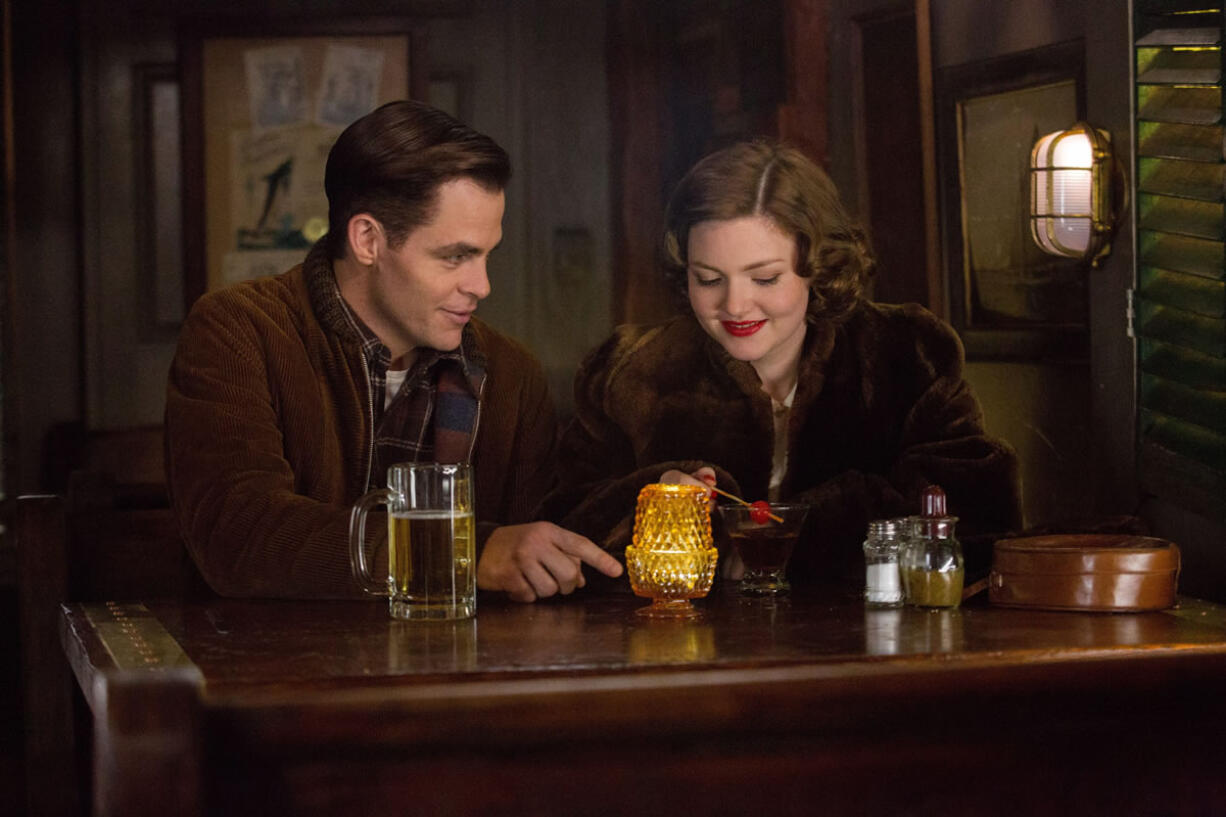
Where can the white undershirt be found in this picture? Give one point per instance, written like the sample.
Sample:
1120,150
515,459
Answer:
395,379
779,459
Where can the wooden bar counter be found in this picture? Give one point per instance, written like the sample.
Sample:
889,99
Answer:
578,706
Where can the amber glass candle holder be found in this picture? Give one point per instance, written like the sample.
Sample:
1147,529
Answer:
672,557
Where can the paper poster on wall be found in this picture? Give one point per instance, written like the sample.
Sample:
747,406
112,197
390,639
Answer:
272,109
350,85
275,86
278,198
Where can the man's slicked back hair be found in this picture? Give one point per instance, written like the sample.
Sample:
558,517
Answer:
391,162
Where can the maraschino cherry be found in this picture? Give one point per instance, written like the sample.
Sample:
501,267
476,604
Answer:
759,511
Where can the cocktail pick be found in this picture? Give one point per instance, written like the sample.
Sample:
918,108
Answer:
757,506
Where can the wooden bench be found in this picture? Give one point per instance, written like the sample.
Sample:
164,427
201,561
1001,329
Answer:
111,537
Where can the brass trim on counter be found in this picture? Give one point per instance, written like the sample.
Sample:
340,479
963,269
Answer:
134,638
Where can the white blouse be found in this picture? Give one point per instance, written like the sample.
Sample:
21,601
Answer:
779,459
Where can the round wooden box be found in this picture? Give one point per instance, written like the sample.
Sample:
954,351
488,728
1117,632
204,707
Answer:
1109,572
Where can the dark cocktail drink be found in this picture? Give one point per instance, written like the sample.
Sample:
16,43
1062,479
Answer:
764,544
764,548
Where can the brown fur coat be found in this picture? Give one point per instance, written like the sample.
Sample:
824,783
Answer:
881,411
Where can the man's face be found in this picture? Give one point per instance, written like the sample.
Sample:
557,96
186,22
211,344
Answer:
424,291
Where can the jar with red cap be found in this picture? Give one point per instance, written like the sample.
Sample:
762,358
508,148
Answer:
931,562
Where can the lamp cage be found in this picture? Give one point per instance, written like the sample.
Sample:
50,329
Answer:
1070,193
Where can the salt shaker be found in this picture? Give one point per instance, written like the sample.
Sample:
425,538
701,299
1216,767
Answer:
931,562
882,582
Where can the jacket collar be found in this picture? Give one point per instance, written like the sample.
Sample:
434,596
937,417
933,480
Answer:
325,295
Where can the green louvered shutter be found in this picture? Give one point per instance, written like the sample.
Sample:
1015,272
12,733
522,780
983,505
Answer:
1180,297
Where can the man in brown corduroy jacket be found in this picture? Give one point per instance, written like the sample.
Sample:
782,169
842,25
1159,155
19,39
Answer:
289,396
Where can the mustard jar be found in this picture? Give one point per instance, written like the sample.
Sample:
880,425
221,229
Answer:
931,563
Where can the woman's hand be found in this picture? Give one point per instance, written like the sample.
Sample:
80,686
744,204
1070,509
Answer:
704,476
732,567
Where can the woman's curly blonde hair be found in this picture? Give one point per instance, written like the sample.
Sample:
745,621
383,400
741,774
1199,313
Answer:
760,178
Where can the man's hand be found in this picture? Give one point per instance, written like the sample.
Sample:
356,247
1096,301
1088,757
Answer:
539,559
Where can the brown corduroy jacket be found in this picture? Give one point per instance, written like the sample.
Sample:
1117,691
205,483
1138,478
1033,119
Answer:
881,411
268,437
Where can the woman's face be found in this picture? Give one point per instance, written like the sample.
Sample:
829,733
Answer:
745,292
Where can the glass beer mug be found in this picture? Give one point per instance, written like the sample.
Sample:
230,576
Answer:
431,541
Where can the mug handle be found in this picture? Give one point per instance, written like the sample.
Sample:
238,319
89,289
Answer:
357,541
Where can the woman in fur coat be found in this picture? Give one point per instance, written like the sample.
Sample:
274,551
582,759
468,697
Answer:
781,381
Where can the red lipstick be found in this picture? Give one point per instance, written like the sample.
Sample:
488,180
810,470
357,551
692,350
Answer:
742,329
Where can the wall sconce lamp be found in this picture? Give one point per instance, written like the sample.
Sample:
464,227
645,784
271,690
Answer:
1074,182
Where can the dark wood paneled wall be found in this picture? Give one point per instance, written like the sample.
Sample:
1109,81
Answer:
45,275
690,77
637,119
894,182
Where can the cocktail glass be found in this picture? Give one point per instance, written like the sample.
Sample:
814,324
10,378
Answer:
765,545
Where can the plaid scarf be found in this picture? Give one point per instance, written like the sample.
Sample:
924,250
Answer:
433,417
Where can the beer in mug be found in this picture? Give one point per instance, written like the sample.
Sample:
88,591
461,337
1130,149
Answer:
431,541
